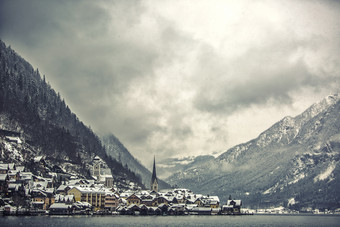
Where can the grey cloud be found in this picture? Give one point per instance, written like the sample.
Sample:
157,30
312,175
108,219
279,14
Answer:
262,75
70,39
96,53
36,22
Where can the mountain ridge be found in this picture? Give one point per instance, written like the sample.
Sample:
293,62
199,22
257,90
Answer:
278,163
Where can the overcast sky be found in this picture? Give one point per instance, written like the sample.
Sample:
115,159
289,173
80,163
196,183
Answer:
180,78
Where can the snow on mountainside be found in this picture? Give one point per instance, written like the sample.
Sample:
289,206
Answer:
171,165
295,158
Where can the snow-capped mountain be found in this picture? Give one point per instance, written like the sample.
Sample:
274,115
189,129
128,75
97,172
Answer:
293,163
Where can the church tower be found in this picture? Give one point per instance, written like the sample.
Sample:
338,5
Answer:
154,181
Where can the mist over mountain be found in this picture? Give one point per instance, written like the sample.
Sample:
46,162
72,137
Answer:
32,109
172,165
117,150
294,163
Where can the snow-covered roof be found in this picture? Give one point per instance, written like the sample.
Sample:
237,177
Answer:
62,187
112,195
38,158
237,202
49,190
227,206
60,206
26,174
13,186
3,177
192,199
131,206
20,168
14,139
135,196
40,184
214,198
7,166
92,190
126,194
12,172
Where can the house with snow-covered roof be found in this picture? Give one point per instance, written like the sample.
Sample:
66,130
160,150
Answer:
93,195
111,201
232,207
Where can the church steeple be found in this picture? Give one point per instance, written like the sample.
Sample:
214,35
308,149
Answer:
154,180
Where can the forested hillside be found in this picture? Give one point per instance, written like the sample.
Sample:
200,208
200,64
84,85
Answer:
31,107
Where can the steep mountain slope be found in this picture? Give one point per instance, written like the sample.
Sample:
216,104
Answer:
116,150
173,165
33,110
293,163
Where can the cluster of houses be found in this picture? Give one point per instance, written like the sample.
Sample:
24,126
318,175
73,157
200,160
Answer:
174,202
23,192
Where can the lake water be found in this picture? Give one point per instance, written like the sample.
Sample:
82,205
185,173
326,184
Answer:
187,221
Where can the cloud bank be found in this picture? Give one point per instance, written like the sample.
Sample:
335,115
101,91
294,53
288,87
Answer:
178,78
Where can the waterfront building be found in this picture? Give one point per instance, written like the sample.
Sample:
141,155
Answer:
91,195
111,201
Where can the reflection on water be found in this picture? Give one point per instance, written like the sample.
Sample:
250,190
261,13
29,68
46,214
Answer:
187,221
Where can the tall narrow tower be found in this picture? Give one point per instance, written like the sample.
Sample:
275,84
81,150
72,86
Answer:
154,180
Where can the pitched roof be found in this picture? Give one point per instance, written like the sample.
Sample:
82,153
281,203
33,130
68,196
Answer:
3,177
237,202
60,206
91,190
6,166
38,158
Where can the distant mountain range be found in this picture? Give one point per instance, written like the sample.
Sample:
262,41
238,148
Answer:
294,163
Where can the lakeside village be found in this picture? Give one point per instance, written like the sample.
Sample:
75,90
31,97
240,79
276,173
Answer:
55,192
23,193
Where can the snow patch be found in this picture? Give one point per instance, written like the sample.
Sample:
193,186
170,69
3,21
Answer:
297,178
271,190
291,201
166,165
326,174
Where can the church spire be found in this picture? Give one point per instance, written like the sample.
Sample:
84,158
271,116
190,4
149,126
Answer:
154,180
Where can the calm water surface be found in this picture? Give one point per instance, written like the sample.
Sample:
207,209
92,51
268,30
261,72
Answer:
187,221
